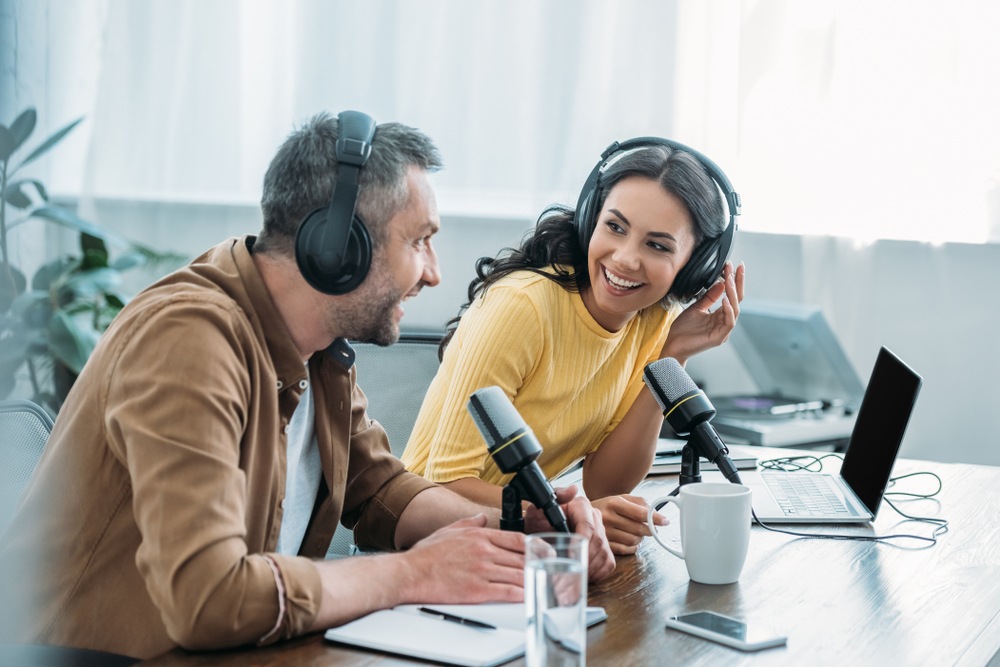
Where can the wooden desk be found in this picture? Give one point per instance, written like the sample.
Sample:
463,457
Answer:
839,602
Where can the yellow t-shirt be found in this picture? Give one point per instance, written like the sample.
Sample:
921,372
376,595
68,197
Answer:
571,380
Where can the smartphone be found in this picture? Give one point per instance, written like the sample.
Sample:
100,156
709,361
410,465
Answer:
726,630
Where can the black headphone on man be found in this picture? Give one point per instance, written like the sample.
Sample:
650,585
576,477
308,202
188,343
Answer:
332,246
708,258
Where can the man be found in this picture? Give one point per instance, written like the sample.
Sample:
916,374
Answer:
217,435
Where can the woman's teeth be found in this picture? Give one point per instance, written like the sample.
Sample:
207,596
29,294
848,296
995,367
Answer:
620,283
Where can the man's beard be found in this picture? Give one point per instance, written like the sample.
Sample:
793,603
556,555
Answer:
371,316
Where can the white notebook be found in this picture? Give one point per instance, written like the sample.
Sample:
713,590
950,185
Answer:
405,630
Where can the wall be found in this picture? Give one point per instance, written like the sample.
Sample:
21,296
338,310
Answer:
927,303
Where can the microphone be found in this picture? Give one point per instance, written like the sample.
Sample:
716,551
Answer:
514,448
688,411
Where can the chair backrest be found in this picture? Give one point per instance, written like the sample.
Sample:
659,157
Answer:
24,430
395,380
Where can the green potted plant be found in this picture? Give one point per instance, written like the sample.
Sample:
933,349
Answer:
50,326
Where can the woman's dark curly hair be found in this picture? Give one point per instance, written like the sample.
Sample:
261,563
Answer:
552,248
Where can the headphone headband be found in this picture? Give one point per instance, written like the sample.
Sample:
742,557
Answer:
709,257
332,245
733,200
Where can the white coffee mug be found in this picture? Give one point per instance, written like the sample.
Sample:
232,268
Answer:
715,530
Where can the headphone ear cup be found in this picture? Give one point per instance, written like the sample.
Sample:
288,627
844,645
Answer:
700,272
357,259
318,258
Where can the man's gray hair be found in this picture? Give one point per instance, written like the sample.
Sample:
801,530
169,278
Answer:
302,174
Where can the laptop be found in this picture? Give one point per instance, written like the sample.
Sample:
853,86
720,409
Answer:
853,495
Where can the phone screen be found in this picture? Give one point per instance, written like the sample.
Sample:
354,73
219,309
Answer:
722,625
729,631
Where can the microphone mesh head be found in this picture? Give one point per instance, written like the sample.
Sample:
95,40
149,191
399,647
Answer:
671,378
494,414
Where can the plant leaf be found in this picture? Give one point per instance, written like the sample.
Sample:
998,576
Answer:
51,271
66,218
23,126
33,308
16,197
86,284
18,186
95,252
128,260
72,339
12,283
49,143
15,349
94,259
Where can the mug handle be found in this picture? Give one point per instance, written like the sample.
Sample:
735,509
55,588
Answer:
652,529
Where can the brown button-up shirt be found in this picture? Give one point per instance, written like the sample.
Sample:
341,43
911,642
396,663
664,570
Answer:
154,512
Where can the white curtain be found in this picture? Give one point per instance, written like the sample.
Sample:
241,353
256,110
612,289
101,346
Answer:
850,117
832,117
521,96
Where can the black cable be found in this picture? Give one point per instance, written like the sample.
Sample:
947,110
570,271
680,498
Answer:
941,528
792,463
815,464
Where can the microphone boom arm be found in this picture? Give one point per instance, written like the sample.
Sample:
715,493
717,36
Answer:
707,442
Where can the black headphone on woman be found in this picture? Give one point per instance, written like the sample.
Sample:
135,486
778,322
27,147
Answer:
332,246
708,258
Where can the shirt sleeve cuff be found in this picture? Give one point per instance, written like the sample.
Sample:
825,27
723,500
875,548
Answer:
279,583
377,525
299,592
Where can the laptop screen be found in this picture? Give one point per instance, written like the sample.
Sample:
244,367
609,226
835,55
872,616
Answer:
878,431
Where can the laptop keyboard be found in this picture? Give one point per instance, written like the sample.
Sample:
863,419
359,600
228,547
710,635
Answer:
805,495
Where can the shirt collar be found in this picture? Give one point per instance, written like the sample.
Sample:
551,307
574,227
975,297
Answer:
288,363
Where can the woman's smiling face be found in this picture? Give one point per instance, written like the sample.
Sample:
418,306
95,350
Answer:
643,238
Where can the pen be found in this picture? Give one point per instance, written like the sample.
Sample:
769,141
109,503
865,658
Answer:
458,619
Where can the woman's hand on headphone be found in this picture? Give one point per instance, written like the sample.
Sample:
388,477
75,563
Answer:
700,328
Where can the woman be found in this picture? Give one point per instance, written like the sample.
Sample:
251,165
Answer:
566,323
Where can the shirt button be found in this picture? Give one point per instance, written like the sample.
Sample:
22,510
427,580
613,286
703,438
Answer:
282,504
303,384
286,428
280,384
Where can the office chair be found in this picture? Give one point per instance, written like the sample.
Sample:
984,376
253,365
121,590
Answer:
395,379
39,655
24,430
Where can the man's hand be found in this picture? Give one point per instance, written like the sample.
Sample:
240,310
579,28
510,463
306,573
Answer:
583,520
463,562
625,521
466,563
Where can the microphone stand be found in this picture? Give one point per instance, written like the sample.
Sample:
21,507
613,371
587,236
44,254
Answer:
690,467
511,512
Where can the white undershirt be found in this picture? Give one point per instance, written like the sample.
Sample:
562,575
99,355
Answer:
302,475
